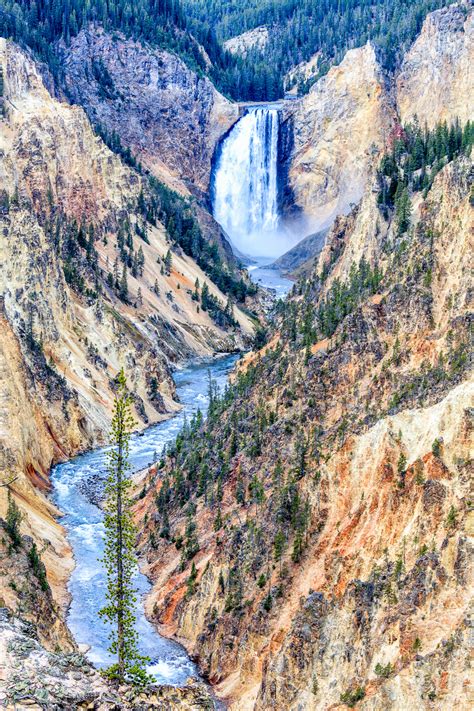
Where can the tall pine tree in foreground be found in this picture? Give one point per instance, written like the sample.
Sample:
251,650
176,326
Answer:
119,555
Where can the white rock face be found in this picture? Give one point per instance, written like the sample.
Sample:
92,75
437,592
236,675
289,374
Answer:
252,39
339,130
168,116
436,80
304,71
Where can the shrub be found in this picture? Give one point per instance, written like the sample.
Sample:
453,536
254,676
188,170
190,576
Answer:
38,568
13,521
384,671
436,447
267,603
351,697
451,518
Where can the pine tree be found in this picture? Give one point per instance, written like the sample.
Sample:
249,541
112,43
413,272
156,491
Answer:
123,291
403,210
13,520
140,261
205,296
119,555
279,546
168,262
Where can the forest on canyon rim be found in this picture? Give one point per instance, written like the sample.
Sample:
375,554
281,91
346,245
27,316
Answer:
211,496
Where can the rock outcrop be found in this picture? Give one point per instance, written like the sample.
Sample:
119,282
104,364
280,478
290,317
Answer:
302,73
169,117
256,38
436,79
337,132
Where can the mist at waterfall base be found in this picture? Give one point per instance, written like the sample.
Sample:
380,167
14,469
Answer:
245,186
84,523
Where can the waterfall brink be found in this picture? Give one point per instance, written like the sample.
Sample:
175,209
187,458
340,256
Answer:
246,185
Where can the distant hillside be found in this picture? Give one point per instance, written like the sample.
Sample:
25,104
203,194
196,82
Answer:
196,29
300,29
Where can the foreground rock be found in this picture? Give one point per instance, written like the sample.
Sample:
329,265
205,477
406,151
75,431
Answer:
33,678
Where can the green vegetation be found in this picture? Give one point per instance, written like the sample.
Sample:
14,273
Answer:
351,697
13,520
191,581
119,556
436,447
343,299
417,156
38,567
162,204
451,519
299,29
41,24
384,671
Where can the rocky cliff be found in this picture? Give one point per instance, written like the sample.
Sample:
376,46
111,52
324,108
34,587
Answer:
436,81
250,40
337,131
334,136
312,544
169,117
35,679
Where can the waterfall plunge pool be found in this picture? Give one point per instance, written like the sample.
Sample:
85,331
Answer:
83,521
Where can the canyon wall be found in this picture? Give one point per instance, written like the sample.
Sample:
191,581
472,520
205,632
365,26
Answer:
315,550
338,131
436,80
169,117
314,547
367,439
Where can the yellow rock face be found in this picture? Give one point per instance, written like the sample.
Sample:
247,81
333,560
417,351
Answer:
338,129
436,80
60,352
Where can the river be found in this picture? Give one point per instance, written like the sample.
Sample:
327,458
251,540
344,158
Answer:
262,273
83,522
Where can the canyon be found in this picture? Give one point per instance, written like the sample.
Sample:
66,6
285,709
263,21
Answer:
358,428
111,225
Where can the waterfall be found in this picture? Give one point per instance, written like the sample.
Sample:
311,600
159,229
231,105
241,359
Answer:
245,194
